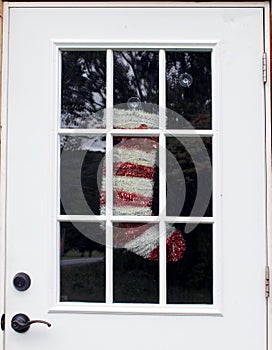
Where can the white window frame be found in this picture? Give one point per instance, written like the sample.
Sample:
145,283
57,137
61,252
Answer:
109,218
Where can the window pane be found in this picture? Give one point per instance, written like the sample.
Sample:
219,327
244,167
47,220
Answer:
82,262
81,167
188,90
83,89
190,279
135,269
189,176
136,88
135,181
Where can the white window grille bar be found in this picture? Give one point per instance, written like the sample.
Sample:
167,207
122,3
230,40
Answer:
190,219
58,184
162,177
162,90
109,175
216,127
189,133
216,178
109,262
127,218
109,89
81,218
154,132
82,132
133,132
59,124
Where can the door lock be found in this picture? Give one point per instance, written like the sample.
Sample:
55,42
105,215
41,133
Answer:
21,281
21,323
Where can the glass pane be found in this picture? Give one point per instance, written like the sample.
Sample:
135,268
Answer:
189,176
82,262
190,279
135,263
188,90
83,89
135,176
81,166
136,89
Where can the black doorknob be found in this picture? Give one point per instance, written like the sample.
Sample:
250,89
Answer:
21,323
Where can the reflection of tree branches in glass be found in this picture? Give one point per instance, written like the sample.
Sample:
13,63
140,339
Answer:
136,74
183,157
190,280
83,88
194,102
83,143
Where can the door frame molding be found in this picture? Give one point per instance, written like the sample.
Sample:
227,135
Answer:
4,85
114,4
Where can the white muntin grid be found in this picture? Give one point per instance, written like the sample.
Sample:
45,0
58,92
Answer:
162,219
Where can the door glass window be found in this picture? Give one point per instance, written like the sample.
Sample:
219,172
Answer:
135,217
188,89
135,272
136,78
82,249
83,89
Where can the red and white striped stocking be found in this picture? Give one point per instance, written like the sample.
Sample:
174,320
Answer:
133,191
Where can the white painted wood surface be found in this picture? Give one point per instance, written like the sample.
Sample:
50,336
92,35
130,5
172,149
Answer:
31,222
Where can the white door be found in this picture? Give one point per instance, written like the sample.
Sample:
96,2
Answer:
98,177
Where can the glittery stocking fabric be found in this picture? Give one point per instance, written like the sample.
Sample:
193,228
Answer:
133,190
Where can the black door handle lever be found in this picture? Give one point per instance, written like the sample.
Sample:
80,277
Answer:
21,323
